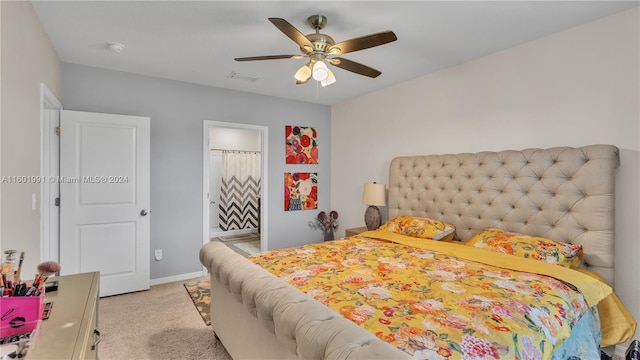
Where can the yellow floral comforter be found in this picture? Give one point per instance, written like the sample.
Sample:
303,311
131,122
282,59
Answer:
434,304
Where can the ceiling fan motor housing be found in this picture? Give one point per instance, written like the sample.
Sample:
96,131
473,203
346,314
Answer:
321,43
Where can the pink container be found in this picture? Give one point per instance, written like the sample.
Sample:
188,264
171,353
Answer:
19,314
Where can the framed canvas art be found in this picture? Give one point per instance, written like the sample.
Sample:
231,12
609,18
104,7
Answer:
301,145
300,191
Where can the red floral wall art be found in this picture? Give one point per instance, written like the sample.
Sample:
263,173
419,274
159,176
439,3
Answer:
300,191
301,145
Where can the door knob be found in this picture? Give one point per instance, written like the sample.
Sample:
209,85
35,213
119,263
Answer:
144,212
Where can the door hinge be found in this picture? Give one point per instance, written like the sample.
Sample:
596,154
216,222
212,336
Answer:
58,130
57,203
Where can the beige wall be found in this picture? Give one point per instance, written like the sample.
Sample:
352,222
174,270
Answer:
573,88
27,59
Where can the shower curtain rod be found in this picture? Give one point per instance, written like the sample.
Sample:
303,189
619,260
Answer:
236,151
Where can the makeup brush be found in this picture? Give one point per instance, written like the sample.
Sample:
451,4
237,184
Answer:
16,278
45,269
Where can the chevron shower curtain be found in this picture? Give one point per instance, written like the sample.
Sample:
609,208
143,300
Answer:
240,190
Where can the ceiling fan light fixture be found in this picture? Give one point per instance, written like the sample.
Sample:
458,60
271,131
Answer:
304,73
320,71
329,80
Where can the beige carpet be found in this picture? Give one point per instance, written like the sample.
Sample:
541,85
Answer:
160,323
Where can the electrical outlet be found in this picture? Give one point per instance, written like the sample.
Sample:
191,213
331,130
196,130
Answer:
158,254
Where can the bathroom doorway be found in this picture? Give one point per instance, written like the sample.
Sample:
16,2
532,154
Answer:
234,196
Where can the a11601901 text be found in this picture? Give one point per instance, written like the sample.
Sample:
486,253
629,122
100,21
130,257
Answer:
37,179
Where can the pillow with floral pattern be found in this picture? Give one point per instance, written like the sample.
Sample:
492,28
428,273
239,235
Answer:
530,247
420,227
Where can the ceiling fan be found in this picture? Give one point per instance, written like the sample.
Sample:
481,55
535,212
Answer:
318,47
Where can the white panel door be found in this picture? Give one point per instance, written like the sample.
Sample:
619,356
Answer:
104,199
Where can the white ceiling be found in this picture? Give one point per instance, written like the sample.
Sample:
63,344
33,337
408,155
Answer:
197,41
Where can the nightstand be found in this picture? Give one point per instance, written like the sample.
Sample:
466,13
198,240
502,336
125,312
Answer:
354,231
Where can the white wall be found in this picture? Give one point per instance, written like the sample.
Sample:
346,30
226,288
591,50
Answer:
574,88
235,139
177,111
28,59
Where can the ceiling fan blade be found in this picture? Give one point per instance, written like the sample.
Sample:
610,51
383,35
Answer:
355,67
268,57
363,42
293,33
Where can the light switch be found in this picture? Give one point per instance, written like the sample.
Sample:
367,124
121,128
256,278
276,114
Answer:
34,202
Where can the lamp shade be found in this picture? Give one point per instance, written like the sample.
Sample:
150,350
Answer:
304,73
320,71
329,80
374,194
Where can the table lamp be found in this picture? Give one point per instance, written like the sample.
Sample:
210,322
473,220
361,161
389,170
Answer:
374,196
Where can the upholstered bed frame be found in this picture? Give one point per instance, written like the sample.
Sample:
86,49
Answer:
562,193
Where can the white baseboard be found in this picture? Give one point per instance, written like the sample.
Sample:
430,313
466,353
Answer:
181,277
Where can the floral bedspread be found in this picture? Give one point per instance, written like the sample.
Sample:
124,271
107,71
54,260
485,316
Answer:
433,305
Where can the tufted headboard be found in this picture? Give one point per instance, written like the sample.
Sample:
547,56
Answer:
565,194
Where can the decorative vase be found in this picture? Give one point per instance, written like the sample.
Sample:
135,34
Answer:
328,234
633,352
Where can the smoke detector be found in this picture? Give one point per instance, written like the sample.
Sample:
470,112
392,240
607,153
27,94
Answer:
115,47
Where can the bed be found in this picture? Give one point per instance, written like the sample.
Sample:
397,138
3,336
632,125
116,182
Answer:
565,194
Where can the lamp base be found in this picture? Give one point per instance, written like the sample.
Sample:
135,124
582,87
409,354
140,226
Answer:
372,218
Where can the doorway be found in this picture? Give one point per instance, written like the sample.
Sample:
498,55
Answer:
50,108
234,195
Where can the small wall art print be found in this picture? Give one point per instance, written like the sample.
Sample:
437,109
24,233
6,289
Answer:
300,191
301,145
